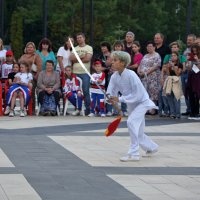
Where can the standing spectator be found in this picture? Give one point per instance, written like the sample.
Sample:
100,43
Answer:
105,56
161,47
31,58
45,52
63,55
8,65
129,39
184,77
137,56
172,85
197,41
97,96
193,84
149,72
2,53
117,46
85,53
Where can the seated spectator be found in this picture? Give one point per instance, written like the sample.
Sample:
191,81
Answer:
21,88
72,90
97,96
11,77
48,87
172,86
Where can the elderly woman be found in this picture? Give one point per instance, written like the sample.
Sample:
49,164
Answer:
35,66
135,96
149,72
48,89
45,52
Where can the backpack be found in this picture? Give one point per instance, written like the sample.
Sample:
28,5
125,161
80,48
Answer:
49,103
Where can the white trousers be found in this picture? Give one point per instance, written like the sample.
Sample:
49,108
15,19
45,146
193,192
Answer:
136,124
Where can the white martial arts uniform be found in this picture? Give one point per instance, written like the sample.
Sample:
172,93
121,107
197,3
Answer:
138,102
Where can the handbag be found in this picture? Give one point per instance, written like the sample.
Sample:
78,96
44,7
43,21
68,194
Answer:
34,66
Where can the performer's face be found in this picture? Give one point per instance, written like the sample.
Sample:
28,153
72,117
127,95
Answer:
117,65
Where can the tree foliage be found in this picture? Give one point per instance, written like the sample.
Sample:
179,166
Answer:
112,18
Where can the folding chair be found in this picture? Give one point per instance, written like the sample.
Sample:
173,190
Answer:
66,104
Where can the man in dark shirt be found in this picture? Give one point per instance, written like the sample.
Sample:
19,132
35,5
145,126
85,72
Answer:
161,48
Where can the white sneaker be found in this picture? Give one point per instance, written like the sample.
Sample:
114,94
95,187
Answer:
25,112
7,111
91,115
103,115
76,113
150,153
11,114
109,114
129,158
22,113
125,114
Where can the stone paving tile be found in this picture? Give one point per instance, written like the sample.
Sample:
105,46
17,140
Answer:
4,160
162,187
102,151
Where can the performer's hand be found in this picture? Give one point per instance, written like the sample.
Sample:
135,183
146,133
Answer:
114,100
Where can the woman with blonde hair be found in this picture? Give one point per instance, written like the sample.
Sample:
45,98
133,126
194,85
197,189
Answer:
35,65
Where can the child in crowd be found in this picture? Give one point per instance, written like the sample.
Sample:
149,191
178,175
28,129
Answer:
172,86
8,65
118,46
11,77
137,56
138,102
97,96
72,91
21,88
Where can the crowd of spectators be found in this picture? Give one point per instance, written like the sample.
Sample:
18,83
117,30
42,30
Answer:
165,71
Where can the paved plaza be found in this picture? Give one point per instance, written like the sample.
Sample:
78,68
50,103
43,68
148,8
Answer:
69,158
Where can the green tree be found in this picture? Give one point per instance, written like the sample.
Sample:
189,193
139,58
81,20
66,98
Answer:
16,32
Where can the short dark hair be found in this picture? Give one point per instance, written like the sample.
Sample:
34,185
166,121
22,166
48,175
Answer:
106,44
151,42
118,43
45,41
50,61
80,33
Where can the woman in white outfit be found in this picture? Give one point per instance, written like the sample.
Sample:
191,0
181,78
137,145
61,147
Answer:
137,99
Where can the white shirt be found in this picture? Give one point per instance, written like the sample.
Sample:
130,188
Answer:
6,69
131,88
2,56
65,55
25,77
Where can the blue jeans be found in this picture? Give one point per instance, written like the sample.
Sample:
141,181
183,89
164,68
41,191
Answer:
174,105
184,79
162,104
86,90
123,107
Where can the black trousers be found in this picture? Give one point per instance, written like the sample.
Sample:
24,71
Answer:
194,103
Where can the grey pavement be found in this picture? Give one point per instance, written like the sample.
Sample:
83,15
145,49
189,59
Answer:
69,158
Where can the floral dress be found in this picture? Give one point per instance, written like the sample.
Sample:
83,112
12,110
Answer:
151,82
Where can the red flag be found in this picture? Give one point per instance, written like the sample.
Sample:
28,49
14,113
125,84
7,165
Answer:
112,126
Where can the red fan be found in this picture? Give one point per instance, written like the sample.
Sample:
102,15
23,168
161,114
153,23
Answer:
113,126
